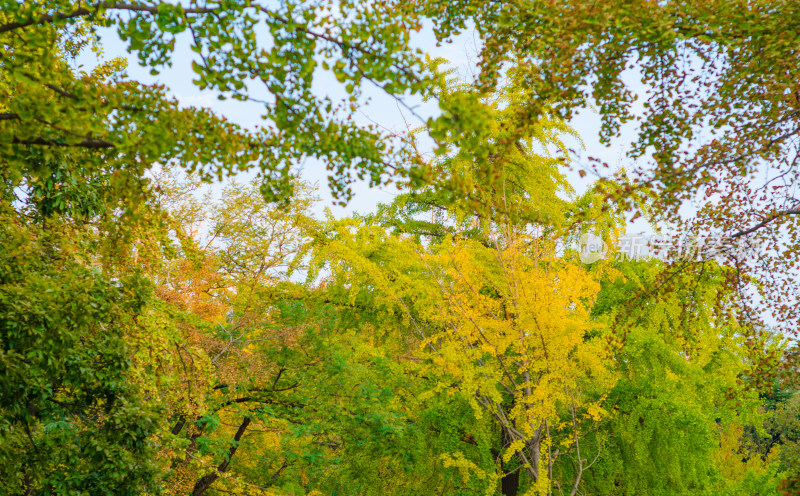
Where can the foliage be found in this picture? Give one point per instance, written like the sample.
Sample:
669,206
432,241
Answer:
680,363
50,105
708,92
73,418
158,342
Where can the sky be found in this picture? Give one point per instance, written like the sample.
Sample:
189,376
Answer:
461,52
383,110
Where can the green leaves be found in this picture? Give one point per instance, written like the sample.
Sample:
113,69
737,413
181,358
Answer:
72,420
142,128
681,359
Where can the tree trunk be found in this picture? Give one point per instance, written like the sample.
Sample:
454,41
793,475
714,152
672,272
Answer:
509,483
205,482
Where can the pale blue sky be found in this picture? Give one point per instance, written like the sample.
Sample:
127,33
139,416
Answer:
384,111
461,52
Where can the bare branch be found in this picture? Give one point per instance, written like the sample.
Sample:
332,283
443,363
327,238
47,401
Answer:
769,219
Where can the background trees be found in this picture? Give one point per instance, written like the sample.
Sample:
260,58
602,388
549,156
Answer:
73,417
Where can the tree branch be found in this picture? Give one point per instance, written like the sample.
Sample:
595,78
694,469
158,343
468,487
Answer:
87,143
205,482
45,19
770,218
84,12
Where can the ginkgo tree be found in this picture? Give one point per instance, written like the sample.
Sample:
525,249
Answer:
515,336
508,319
499,317
678,407
270,56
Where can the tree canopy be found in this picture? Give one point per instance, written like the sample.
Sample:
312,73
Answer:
161,337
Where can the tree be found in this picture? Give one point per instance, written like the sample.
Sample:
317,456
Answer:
295,391
76,415
679,407
719,123
500,320
130,126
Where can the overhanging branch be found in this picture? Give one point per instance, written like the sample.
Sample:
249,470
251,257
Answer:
84,12
90,143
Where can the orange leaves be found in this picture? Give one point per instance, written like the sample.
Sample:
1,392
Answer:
195,286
